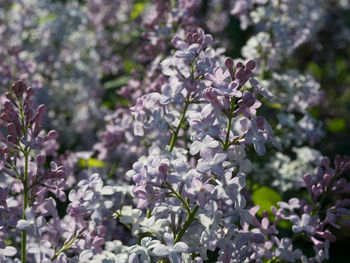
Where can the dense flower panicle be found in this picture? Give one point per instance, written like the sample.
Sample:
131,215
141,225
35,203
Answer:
176,174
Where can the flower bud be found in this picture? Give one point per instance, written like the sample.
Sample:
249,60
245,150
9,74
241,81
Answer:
239,65
52,135
40,159
163,168
327,178
229,62
325,162
250,65
248,100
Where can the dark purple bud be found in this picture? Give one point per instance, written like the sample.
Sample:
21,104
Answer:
325,162
53,166
29,115
257,238
195,37
346,159
229,62
250,65
248,99
341,211
345,223
317,190
337,161
229,65
11,139
30,92
12,129
9,96
8,106
40,159
239,65
327,235
52,135
346,188
18,88
240,74
340,183
320,172
41,110
210,95
260,121
343,203
264,214
327,178
163,168
3,117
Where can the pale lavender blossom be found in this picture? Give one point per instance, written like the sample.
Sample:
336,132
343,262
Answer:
170,250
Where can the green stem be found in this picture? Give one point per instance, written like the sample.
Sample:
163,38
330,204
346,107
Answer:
149,213
326,191
263,66
25,203
226,144
189,219
175,134
65,247
178,196
232,107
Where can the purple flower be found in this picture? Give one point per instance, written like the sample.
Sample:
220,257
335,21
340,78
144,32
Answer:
31,223
303,224
147,196
293,203
208,142
173,251
211,161
200,191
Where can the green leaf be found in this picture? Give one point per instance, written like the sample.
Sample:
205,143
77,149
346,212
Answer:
274,105
137,10
116,83
91,162
265,197
337,125
315,70
48,18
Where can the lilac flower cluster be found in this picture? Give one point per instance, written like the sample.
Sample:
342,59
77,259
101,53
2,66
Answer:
176,171
29,183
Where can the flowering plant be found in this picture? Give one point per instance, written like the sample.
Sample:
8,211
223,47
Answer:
205,157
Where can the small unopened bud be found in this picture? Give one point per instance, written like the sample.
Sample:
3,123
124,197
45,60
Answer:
337,161
12,129
40,159
8,106
18,87
229,62
240,74
52,135
257,238
248,99
250,65
30,91
307,179
327,178
239,65
260,121
41,110
339,184
325,162
163,168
